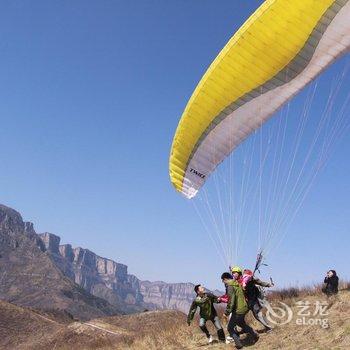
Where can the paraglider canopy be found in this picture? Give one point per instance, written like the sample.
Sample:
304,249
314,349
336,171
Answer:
283,46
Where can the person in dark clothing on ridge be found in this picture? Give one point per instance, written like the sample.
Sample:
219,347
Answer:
331,280
236,310
205,302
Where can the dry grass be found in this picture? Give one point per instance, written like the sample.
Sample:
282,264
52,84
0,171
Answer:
168,329
344,285
288,294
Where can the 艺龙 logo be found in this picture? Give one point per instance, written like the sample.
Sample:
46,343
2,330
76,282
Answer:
278,315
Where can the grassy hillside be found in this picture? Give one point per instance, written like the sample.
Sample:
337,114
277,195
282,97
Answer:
22,328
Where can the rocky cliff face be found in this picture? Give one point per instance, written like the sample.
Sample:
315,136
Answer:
99,276
29,277
110,280
176,296
103,278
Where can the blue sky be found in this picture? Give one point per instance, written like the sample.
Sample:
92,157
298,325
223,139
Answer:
91,95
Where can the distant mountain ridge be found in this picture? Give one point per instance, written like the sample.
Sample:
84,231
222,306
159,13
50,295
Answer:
110,280
63,273
29,277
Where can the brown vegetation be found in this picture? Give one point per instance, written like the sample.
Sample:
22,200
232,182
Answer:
22,328
302,292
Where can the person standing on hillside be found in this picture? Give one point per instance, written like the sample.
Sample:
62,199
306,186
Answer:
331,280
205,302
236,310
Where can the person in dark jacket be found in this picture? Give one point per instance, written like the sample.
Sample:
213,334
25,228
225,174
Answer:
331,280
236,310
253,294
255,299
205,302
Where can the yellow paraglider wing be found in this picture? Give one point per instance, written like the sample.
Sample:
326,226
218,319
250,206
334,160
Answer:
284,45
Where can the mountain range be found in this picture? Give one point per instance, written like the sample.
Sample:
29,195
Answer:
36,271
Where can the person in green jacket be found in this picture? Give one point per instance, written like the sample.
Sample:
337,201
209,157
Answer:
205,302
236,310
